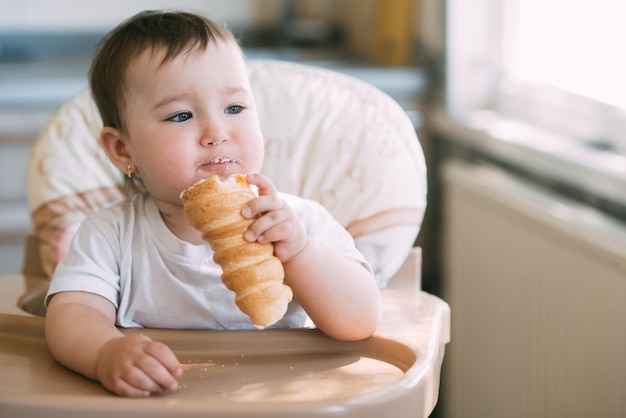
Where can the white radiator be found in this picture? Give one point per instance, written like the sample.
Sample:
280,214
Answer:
537,288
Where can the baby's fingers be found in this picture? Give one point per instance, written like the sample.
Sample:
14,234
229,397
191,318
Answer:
123,388
264,229
135,382
264,184
162,366
262,205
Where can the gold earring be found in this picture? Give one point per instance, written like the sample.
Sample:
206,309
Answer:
130,171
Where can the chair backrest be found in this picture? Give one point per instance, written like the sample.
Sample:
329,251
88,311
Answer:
329,137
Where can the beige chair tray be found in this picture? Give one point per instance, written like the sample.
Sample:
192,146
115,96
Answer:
270,373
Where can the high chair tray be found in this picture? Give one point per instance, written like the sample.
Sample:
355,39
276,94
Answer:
270,373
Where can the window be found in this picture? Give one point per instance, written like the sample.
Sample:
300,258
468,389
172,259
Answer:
556,64
571,45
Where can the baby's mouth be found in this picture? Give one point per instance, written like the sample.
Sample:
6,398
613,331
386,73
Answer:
217,161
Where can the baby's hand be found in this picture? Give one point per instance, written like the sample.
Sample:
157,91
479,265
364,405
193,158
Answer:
136,366
277,221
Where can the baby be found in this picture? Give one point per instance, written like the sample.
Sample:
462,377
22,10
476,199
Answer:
176,104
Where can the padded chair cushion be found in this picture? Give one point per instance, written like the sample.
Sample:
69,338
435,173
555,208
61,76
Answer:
329,137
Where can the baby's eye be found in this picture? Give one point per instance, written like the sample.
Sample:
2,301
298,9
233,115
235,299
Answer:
180,117
234,109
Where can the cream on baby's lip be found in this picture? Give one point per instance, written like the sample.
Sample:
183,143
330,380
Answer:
216,161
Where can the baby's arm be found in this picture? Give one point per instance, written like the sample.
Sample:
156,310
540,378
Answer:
81,334
339,295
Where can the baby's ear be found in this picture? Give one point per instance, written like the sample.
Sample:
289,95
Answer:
114,144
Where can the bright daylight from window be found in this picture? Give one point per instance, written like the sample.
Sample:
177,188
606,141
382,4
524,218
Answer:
573,45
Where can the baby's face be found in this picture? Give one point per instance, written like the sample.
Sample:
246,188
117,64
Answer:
190,118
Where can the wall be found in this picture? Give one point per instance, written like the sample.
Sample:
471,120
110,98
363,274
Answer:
78,16
357,18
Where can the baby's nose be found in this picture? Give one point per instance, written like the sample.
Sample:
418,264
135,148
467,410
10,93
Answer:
211,141
213,135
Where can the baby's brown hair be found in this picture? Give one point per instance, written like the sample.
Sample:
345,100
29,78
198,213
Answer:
176,32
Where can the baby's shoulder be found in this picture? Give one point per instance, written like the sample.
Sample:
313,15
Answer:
118,213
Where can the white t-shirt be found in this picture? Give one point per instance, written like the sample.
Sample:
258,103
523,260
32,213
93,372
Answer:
126,254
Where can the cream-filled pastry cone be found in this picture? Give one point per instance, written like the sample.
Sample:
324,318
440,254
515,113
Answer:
250,269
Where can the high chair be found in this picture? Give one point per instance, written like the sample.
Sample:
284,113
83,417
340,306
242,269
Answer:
330,138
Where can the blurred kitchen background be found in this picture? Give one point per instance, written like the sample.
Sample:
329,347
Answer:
46,49
520,107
